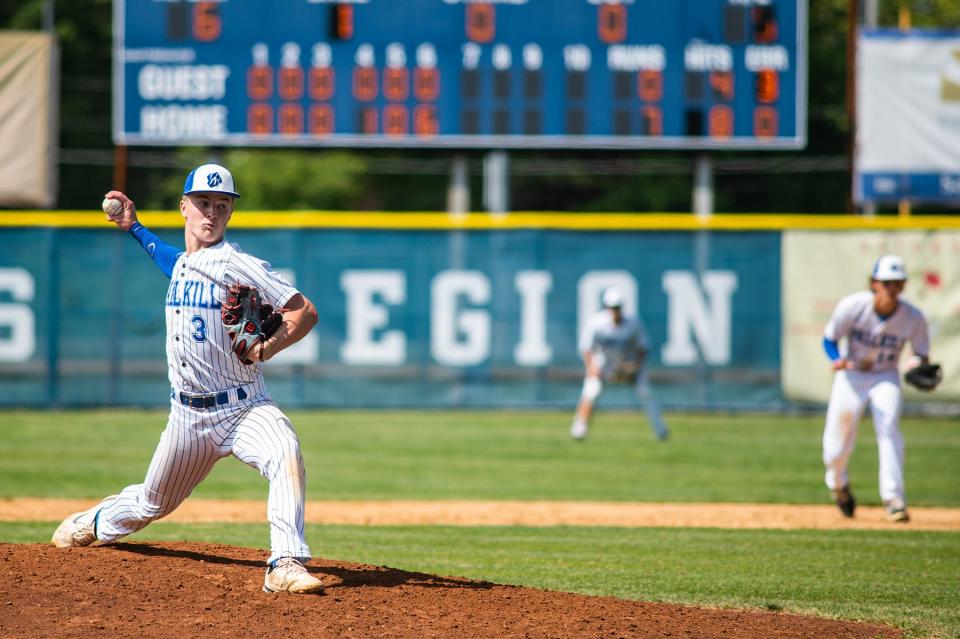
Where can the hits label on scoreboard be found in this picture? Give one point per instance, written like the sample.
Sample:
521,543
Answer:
461,73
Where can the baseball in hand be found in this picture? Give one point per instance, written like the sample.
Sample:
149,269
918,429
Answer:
113,208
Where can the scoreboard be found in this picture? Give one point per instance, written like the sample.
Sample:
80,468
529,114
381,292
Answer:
594,74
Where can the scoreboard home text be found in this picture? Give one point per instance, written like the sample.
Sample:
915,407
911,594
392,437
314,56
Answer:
694,74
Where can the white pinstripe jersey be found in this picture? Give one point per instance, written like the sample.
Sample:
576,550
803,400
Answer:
613,343
874,343
199,359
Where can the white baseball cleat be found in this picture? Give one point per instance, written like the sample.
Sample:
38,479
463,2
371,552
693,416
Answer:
896,511
76,531
578,429
289,575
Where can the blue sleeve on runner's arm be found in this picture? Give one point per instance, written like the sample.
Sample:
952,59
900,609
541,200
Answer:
164,255
831,349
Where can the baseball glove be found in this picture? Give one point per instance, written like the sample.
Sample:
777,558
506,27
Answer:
626,373
924,377
247,320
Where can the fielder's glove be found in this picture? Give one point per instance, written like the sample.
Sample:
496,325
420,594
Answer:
924,377
247,320
626,373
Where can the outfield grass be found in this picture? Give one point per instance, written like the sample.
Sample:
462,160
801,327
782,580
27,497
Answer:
905,578
489,455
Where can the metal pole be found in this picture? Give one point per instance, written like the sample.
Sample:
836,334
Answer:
853,9
458,192
49,16
903,209
871,12
703,187
120,167
870,17
496,190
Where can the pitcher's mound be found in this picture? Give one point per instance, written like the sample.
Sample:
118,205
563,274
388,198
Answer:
181,590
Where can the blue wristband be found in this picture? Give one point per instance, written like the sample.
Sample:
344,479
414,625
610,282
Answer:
163,255
830,347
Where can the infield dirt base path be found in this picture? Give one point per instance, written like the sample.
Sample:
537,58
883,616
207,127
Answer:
178,590
516,513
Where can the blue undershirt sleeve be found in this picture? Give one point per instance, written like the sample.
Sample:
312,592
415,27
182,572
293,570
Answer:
830,347
164,255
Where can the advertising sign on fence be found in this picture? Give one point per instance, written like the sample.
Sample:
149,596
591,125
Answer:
908,116
427,318
820,267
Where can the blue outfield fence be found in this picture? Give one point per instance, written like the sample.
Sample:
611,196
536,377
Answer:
408,318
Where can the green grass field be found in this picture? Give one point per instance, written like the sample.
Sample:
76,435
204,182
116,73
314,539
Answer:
909,579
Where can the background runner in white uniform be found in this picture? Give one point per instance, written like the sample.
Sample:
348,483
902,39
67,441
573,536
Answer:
874,326
614,348
218,405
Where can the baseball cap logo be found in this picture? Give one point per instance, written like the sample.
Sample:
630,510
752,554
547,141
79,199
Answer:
214,179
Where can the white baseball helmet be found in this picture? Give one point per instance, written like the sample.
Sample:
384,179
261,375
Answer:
612,298
889,268
210,178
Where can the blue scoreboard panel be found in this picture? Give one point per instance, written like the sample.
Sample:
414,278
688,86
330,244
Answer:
684,74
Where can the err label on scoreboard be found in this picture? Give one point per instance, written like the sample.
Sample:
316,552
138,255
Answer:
462,73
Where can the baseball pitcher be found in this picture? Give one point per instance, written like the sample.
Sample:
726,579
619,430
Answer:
874,326
226,313
614,349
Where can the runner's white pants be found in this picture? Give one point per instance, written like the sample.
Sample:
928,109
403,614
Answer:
852,392
259,435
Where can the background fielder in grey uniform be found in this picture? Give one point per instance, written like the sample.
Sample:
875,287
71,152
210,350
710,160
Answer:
219,405
614,349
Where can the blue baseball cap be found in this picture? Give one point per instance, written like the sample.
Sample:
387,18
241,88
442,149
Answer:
210,178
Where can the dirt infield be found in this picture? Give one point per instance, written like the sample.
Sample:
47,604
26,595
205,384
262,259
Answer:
498,513
175,590
165,590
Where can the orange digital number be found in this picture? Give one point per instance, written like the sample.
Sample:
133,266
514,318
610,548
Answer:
259,119
259,82
612,23
480,22
426,84
764,24
206,22
290,83
342,21
425,122
650,85
721,121
396,119
766,121
653,119
365,83
291,119
321,119
368,120
395,84
321,83
767,84
722,84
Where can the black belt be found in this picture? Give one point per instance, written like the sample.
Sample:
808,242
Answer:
209,400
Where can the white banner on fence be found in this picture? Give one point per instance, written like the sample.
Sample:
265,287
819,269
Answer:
28,106
908,116
820,267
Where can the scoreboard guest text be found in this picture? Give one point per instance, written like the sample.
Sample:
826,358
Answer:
694,74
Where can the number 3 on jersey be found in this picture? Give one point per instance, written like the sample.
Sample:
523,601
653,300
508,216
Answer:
199,333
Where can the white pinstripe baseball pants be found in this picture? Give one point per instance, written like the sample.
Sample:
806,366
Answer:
259,435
